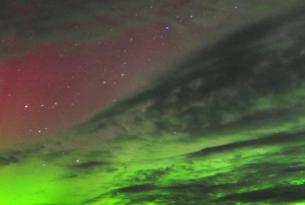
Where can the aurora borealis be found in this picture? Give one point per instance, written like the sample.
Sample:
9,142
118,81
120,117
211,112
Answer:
150,102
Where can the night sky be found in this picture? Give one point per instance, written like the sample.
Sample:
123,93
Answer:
152,102
63,61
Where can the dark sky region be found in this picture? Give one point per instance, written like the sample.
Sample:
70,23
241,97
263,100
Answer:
63,61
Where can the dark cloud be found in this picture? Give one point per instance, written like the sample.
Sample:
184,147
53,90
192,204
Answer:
136,188
273,195
16,156
262,141
53,155
224,79
88,165
151,175
188,193
84,167
7,159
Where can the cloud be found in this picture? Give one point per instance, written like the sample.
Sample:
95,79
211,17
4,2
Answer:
273,195
275,139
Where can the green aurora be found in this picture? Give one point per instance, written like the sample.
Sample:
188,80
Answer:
225,127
